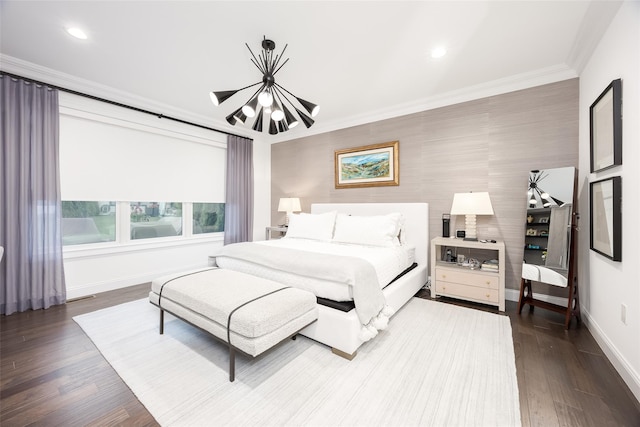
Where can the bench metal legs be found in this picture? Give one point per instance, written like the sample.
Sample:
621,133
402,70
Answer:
232,363
161,321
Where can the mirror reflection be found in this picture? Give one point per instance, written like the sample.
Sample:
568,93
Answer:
549,213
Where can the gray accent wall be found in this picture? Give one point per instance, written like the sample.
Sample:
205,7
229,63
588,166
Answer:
488,144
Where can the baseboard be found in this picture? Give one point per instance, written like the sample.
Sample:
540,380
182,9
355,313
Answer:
626,371
621,365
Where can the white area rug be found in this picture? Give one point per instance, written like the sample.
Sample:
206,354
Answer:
436,365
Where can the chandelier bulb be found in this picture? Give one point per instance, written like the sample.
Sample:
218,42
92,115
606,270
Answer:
265,98
277,115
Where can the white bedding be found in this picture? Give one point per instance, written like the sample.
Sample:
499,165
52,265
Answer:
388,262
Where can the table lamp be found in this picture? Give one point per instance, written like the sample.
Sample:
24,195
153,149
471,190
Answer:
289,205
470,205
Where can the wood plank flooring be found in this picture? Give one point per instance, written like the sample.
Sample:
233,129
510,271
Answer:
52,374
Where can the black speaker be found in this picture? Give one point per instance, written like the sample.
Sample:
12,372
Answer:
446,218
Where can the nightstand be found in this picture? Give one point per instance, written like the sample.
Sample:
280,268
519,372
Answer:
277,228
481,285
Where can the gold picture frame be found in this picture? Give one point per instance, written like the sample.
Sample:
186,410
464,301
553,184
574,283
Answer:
374,165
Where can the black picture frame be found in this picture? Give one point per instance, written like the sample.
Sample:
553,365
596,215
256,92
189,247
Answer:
605,217
605,125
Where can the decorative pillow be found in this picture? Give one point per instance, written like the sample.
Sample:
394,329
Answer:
378,230
311,226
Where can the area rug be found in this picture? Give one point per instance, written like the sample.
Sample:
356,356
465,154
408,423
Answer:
436,365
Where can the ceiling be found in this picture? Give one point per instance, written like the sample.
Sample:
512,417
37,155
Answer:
360,61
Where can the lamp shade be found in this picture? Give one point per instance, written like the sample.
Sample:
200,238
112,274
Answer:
219,97
289,204
308,121
312,108
249,109
471,203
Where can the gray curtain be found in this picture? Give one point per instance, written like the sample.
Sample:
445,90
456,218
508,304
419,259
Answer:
238,215
31,274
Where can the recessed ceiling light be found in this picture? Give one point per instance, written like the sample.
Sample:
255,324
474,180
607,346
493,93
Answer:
77,33
438,52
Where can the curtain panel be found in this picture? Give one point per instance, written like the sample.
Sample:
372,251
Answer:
238,216
32,272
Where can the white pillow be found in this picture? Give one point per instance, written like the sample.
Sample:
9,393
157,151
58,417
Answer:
311,226
378,230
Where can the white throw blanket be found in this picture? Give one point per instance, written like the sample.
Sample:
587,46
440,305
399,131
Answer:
369,301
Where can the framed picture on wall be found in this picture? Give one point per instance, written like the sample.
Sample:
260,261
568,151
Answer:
605,208
368,166
605,119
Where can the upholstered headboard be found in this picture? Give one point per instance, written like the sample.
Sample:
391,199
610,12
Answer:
416,216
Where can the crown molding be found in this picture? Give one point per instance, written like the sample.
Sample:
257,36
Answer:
595,23
496,87
470,93
37,72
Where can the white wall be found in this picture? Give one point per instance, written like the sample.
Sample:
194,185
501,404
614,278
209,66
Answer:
262,187
606,285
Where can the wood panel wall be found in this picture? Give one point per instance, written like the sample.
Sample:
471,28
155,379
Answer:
489,144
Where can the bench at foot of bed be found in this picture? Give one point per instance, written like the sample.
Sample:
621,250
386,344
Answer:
248,313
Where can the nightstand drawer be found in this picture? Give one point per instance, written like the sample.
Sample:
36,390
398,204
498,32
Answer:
475,278
467,292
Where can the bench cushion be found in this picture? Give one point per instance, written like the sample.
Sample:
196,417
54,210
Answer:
205,297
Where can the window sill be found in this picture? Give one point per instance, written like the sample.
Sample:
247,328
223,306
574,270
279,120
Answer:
99,249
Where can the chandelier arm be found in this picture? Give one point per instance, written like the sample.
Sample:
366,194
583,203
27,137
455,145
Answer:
274,73
276,84
279,57
256,92
251,85
254,57
257,66
263,61
279,92
542,177
269,57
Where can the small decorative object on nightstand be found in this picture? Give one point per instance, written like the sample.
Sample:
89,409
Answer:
277,228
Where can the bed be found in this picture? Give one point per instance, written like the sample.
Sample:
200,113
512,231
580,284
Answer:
384,282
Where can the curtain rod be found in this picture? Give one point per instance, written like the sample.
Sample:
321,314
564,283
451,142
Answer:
118,104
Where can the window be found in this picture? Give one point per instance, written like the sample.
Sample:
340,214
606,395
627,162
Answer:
208,218
155,219
111,153
88,222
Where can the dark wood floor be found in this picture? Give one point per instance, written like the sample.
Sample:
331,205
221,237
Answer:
52,374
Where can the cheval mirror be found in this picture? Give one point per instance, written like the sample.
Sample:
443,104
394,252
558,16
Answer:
550,255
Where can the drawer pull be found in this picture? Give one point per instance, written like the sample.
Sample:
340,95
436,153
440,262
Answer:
488,295
488,282
444,276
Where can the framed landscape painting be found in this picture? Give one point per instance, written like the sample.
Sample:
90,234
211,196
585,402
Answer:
368,166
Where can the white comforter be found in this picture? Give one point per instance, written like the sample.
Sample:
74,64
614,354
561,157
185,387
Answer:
357,268
387,262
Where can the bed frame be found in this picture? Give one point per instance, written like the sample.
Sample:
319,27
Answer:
339,330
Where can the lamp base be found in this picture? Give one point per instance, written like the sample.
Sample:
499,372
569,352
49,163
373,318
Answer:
470,228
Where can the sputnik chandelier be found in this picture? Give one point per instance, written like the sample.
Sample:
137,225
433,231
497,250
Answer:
271,98
536,194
